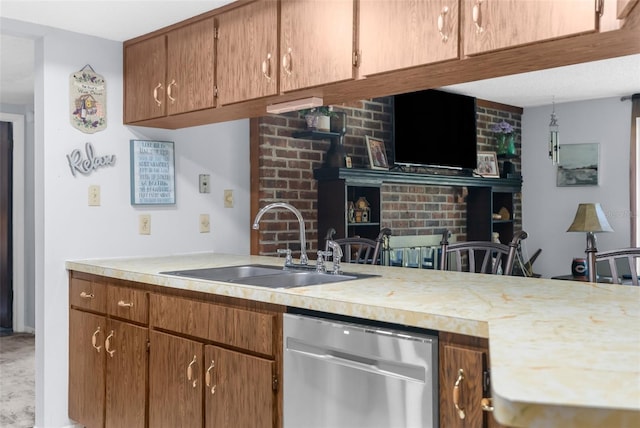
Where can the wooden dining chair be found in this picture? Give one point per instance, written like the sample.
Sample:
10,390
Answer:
480,256
622,262
360,250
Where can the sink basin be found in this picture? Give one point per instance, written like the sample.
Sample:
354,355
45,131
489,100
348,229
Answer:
266,276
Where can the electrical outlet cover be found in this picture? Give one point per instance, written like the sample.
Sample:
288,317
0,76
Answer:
228,198
94,195
144,224
205,226
205,183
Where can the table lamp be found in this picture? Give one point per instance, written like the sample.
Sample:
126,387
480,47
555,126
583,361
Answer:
589,218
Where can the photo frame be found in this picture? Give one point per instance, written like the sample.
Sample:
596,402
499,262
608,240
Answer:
487,165
152,172
377,153
578,165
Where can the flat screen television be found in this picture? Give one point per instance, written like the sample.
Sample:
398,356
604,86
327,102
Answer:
435,128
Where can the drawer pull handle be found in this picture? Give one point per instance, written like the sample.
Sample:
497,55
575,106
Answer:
208,377
107,345
124,304
86,295
286,62
155,94
456,394
94,340
487,404
190,372
266,67
445,11
169,91
477,16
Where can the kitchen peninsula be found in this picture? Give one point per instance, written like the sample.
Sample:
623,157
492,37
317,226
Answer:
562,353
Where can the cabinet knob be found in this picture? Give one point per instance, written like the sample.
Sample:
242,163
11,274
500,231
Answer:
457,389
123,304
487,404
444,37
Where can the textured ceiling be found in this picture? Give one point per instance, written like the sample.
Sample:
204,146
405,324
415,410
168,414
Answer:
122,20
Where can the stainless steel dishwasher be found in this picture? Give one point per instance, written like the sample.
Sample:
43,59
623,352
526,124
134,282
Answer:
341,374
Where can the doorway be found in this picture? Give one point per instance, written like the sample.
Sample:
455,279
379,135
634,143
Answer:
6,227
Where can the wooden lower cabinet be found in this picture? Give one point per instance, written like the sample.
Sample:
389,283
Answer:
175,381
464,382
107,371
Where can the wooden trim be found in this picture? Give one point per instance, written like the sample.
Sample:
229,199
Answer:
254,179
633,170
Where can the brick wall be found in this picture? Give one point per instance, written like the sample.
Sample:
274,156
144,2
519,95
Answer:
286,167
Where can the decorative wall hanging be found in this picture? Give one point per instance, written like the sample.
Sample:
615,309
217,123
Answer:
88,99
578,165
152,173
86,166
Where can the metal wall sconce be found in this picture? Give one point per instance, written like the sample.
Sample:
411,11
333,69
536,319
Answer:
554,138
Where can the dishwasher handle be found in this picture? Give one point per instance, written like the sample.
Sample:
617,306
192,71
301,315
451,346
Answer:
398,370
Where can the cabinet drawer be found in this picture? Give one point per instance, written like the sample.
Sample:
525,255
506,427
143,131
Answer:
86,294
244,329
127,303
180,315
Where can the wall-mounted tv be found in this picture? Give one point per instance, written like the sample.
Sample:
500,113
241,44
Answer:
436,129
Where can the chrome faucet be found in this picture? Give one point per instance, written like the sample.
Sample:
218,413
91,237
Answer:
304,260
336,250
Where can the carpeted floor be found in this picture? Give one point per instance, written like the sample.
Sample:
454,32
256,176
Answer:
17,380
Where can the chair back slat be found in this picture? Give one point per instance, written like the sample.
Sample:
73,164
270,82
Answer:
480,256
623,258
360,250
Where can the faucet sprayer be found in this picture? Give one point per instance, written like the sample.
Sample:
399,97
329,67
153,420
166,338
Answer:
303,243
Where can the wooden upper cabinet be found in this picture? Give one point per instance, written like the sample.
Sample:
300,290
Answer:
247,55
399,34
316,42
144,79
191,67
489,25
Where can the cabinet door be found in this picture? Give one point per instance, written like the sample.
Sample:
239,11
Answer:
248,52
86,368
239,390
316,42
126,350
401,34
175,381
461,382
144,79
496,24
190,67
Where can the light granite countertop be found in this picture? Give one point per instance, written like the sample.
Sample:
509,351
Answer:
563,353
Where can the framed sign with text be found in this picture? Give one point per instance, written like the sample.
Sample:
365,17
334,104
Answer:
152,173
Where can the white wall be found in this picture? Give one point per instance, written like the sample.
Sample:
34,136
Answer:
549,210
67,228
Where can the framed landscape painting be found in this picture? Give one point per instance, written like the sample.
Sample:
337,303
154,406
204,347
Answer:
578,165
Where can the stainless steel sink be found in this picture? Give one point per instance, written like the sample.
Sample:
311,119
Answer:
266,276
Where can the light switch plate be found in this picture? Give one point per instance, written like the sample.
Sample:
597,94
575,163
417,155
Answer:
205,226
205,183
228,198
144,224
94,195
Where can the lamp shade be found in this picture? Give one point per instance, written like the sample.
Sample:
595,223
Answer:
590,218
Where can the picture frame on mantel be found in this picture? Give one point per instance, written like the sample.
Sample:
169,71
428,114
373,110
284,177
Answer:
487,165
377,153
152,172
